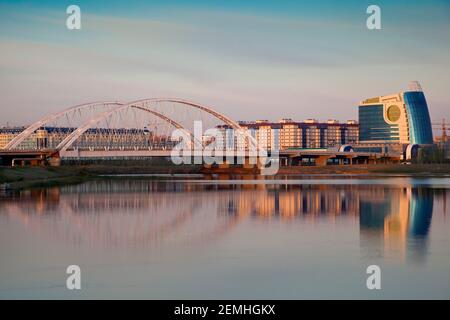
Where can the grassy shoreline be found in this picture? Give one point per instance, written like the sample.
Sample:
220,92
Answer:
35,177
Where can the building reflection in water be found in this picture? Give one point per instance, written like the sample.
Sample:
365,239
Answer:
393,220
396,221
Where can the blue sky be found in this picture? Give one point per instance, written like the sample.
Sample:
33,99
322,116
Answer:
247,59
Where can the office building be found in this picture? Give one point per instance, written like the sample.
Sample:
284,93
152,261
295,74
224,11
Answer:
401,118
289,134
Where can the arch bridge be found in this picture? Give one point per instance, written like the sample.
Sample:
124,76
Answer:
109,128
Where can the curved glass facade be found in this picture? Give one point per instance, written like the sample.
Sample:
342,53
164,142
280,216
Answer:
372,126
420,131
421,211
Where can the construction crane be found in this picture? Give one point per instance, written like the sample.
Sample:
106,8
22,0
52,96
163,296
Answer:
443,126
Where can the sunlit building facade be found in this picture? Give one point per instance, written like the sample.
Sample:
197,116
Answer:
289,134
398,118
7,134
99,138
308,134
282,135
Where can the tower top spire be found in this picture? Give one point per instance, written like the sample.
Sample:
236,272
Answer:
414,86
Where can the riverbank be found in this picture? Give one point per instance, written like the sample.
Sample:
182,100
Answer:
30,177
407,169
33,177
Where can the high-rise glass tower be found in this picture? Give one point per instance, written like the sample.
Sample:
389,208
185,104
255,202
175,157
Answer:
399,118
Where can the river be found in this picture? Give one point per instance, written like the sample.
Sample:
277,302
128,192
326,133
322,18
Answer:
192,238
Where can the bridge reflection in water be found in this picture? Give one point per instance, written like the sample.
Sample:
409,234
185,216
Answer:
393,220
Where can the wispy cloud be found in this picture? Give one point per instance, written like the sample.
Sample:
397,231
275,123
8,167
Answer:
249,65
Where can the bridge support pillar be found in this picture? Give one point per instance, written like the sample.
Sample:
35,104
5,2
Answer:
224,165
285,162
54,160
322,161
247,164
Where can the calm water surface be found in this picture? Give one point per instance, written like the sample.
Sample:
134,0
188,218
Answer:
207,239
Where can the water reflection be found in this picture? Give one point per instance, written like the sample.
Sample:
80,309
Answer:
397,221
394,221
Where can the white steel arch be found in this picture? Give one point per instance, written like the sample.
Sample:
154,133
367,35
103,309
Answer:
141,104
165,118
216,114
70,139
14,143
